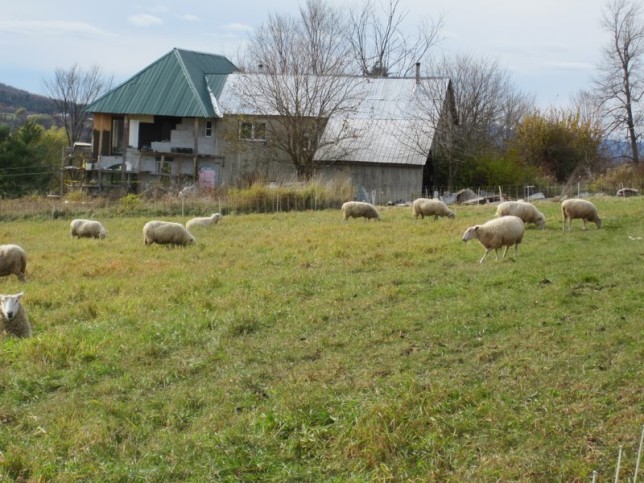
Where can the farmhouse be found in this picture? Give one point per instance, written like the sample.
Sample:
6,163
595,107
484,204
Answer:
187,119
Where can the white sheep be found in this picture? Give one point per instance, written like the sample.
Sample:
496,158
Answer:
13,261
87,229
499,232
524,210
359,209
14,318
166,233
427,207
204,221
577,208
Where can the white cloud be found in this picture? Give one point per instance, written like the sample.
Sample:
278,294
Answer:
49,27
190,18
238,27
568,65
144,20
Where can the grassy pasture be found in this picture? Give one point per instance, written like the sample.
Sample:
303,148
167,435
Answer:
295,347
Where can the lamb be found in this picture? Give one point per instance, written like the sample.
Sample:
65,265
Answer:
13,261
204,221
426,207
496,233
359,209
524,210
578,208
87,229
14,320
166,233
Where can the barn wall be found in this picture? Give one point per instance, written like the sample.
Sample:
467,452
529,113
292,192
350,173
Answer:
389,183
245,160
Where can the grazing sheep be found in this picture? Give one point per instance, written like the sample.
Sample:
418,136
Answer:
14,318
577,208
524,210
13,261
359,209
204,221
166,233
427,207
499,232
87,229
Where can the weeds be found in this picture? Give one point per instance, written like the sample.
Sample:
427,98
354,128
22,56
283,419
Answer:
293,346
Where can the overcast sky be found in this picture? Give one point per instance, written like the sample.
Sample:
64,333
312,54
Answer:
549,47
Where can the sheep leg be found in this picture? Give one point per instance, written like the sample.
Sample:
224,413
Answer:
505,251
484,255
584,220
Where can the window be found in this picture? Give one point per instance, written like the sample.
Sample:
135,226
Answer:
118,131
246,130
252,131
208,129
260,131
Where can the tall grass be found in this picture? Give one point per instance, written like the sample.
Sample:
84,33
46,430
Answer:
292,346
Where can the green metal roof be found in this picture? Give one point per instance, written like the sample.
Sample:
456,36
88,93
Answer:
174,85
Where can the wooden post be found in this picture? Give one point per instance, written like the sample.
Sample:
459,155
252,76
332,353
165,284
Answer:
195,149
62,172
126,140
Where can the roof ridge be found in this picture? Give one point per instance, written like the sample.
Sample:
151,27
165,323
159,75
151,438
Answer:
188,77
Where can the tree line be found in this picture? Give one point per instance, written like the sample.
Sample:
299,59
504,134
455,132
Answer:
500,136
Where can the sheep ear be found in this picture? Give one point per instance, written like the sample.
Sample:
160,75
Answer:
477,227
18,295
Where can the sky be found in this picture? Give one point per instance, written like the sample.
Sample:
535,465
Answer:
550,48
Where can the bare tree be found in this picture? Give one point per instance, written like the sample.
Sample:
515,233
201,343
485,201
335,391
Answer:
486,107
72,90
620,83
380,47
298,81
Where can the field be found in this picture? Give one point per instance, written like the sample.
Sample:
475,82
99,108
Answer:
295,347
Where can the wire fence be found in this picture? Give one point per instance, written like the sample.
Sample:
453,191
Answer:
171,201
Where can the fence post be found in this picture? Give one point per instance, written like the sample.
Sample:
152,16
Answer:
619,462
639,456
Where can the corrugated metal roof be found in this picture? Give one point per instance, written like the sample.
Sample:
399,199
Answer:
257,94
174,85
386,126
381,141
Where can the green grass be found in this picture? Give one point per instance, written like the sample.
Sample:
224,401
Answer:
295,347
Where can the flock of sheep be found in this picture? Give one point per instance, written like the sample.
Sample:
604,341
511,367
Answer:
504,231
13,261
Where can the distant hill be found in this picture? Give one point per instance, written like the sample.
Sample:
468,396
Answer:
12,99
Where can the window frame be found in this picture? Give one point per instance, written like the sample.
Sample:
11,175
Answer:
252,131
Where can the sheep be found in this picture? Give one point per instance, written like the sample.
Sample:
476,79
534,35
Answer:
359,209
426,207
87,229
578,208
13,261
14,318
524,210
166,233
496,233
204,221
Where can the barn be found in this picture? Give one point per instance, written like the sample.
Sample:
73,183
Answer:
182,120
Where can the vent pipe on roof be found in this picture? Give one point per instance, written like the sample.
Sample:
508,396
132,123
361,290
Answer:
417,72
